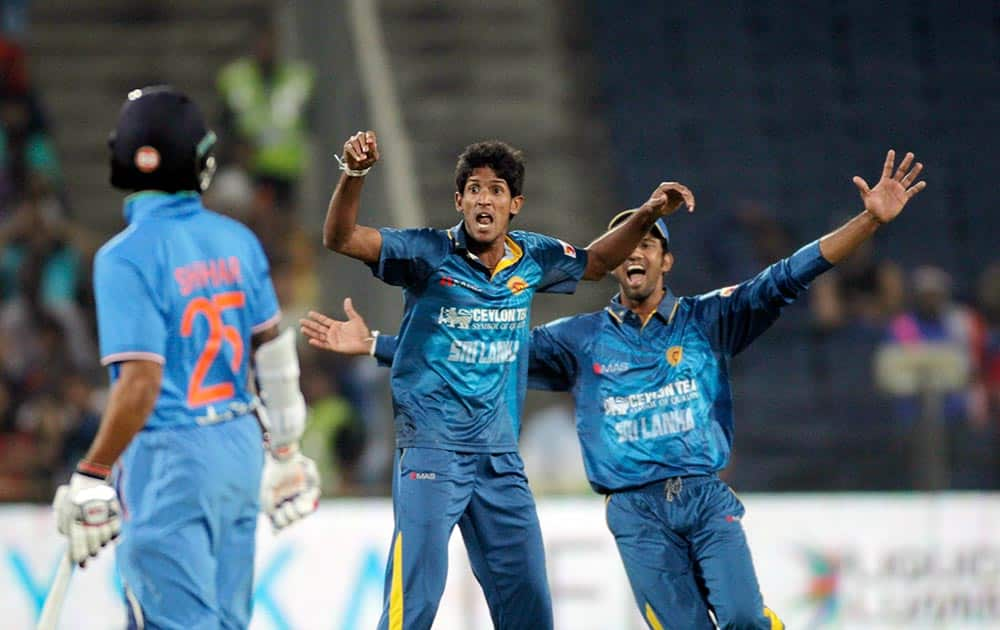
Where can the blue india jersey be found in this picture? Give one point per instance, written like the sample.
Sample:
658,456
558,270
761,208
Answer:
187,288
653,398
460,374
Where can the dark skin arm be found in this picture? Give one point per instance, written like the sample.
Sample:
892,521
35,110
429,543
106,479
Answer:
883,203
341,232
612,248
132,399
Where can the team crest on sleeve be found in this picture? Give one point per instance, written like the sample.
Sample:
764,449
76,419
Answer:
568,249
727,291
517,284
674,355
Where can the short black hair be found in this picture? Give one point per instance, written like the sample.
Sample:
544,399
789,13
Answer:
506,161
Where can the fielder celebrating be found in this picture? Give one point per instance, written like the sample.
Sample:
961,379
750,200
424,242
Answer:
649,376
184,300
460,381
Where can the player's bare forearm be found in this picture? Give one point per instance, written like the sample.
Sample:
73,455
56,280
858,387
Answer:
131,401
612,248
841,243
883,203
341,232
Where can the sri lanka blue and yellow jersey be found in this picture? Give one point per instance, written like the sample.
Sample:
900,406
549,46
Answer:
460,372
653,398
184,287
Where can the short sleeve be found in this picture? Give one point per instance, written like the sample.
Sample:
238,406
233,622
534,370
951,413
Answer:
562,264
264,308
409,257
130,322
552,363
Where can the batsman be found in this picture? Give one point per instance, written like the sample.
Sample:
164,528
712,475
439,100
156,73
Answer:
186,314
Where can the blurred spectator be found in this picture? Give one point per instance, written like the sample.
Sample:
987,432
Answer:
754,238
13,66
987,408
40,275
17,451
335,436
27,155
863,290
934,317
14,16
80,419
264,123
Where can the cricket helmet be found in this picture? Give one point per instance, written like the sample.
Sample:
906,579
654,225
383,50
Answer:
161,142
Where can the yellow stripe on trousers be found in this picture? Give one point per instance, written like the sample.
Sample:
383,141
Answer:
651,618
776,624
396,595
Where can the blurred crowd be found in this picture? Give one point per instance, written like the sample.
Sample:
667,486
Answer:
52,388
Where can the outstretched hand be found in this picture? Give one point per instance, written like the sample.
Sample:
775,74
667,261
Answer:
886,200
668,197
345,337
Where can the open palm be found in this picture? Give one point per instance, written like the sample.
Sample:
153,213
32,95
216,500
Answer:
345,337
886,200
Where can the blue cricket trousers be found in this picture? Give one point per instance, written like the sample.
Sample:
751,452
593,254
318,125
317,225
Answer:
190,502
487,496
685,553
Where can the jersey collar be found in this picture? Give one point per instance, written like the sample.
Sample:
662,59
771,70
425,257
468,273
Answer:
664,311
143,204
512,252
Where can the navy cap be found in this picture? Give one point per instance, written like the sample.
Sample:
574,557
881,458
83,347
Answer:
660,226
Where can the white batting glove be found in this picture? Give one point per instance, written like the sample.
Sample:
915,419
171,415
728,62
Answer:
289,489
88,514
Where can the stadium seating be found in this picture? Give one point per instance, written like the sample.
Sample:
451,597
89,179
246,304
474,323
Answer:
782,103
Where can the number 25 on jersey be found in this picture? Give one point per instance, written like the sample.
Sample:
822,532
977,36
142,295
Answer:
199,393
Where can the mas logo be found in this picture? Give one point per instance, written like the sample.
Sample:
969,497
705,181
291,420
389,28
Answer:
517,284
674,355
615,367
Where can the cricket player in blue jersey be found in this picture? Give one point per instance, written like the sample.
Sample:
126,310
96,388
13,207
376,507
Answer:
650,378
460,381
184,300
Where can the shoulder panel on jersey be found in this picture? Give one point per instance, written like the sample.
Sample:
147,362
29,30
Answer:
134,243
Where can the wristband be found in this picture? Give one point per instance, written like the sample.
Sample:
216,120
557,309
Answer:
350,171
374,339
93,469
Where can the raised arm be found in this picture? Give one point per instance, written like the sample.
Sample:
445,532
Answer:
736,315
612,248
882,204
341,232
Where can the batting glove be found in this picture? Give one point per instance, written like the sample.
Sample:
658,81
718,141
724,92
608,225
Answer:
88,514
289,489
